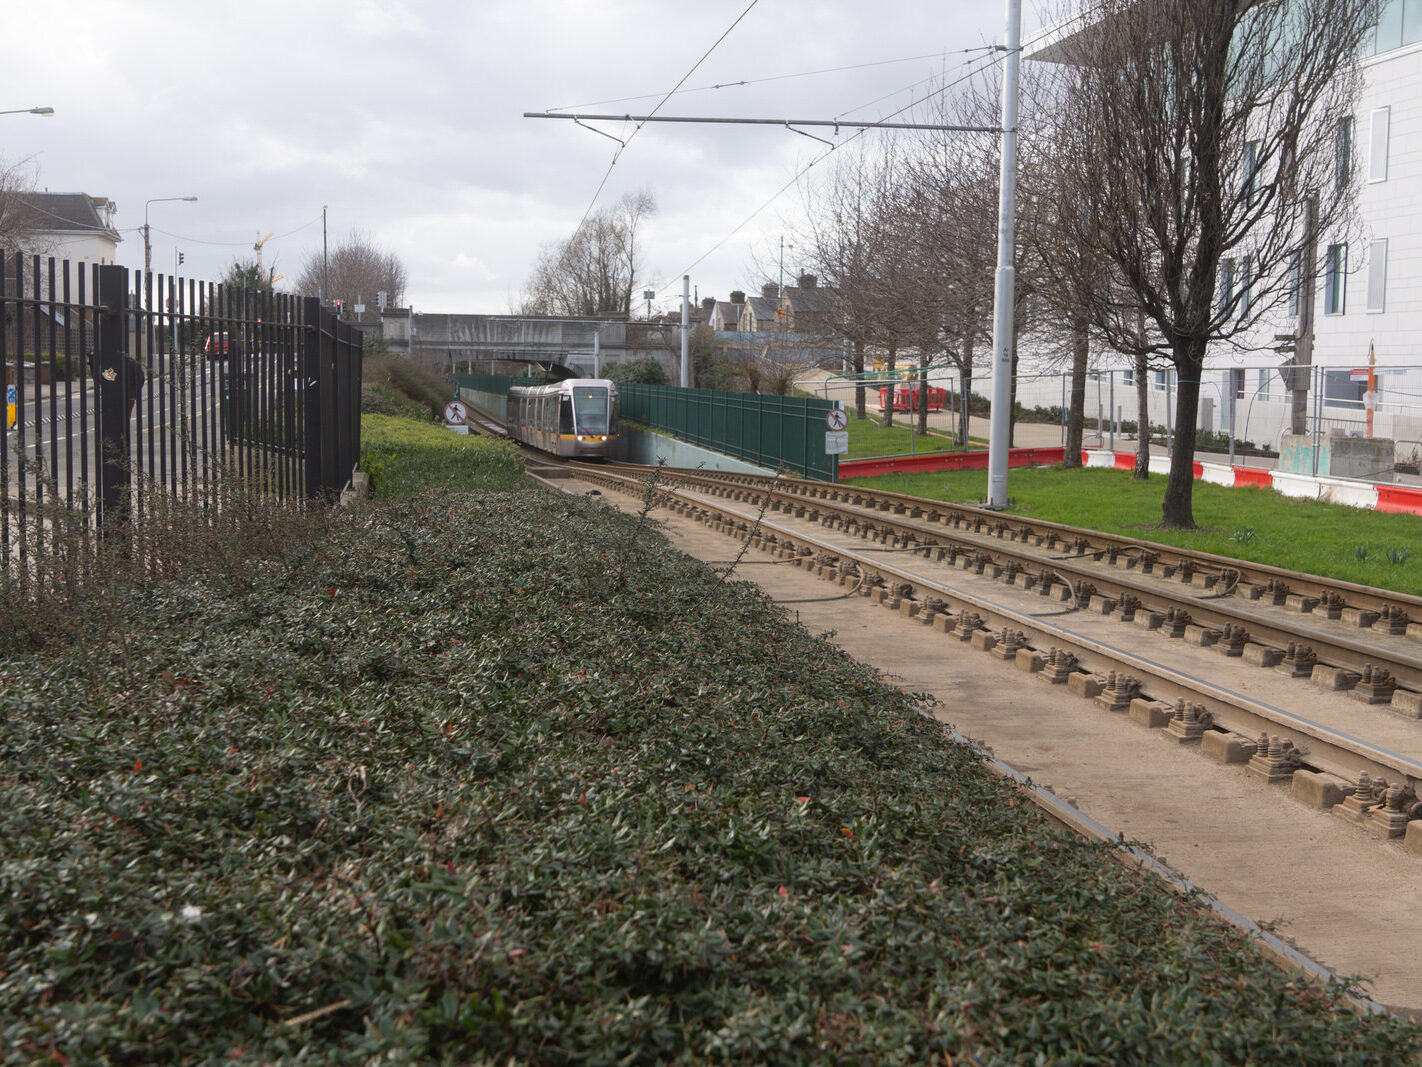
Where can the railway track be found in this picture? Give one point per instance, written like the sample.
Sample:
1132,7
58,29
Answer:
1310,683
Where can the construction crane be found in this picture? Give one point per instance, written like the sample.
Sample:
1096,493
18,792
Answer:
258,249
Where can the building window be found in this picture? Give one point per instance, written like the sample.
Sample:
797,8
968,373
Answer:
1236,375
1377,146
1251,173
1159,381
1377,276
1334,278
1340,387
1226,283
1343,152
1389,26
1246,285
1128,376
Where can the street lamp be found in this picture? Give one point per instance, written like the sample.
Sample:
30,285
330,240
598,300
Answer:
46,111
148,248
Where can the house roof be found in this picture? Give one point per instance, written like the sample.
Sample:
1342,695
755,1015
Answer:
762,307
67,213
812,299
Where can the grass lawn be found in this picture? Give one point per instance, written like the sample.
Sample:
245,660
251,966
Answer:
870,437
1257,525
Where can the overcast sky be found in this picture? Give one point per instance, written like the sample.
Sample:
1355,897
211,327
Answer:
404,119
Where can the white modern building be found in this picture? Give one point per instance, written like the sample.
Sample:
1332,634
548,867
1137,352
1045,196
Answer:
1368,296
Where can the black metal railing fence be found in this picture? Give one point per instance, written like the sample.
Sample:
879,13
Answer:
121,385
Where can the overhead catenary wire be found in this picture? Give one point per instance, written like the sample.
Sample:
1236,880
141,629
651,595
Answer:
618,154
984,62
772,78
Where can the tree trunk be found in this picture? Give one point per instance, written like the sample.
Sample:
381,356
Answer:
1176,510
965,380
889,373
859,408
1076,412
1142,468
923,395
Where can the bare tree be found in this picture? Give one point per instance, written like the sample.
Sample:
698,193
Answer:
847,241
355,271
18,220
595,271
1191,131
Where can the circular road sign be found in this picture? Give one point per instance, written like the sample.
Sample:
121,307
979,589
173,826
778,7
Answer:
837,419
455,413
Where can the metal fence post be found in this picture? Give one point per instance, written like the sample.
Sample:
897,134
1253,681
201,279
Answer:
115,391
310,370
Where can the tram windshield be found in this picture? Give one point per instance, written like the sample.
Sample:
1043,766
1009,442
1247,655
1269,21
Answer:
590,409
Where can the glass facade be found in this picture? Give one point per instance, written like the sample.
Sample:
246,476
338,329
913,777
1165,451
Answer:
1400,24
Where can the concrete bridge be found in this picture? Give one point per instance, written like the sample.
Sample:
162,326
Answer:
492,343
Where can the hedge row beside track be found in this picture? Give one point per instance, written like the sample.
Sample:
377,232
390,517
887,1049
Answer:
498,775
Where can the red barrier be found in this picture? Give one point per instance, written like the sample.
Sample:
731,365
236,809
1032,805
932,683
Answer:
1399,499
907,399
945,461
1255,476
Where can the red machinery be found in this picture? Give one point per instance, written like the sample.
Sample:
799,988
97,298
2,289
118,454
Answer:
909,398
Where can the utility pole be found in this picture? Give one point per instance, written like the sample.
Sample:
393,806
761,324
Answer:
1000,427
685,329
325,261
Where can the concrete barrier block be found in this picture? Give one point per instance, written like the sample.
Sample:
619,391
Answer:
1406,703
1226,747
1319,790
1412,839
1152,714
1030,661
1085,685
1201,635
1262,655
1334,679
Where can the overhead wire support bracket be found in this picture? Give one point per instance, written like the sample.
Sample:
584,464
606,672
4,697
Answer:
788,123
604,133
811,136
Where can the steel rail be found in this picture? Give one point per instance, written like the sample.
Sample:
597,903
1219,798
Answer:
1333,751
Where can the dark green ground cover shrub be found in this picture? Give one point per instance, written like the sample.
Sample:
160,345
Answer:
490,779
403,456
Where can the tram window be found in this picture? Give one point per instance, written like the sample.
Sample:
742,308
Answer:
591,406
565,416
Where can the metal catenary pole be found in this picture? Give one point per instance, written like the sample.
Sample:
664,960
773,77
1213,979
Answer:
1000,426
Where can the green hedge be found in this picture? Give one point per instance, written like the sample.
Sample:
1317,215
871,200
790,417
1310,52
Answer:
403,456
497,777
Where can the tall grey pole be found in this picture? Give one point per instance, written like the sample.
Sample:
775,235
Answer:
999,440
597,352
326,268
685,330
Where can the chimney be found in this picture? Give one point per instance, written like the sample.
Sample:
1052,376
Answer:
709,304
807,281
737,297
770,291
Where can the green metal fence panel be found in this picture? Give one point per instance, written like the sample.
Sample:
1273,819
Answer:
769,431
